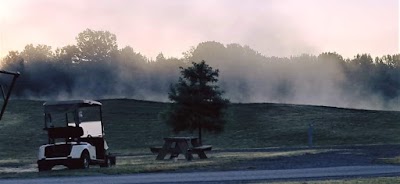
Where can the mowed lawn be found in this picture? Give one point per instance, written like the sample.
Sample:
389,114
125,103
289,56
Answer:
133,126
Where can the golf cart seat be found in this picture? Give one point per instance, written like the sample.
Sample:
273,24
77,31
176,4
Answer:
65,132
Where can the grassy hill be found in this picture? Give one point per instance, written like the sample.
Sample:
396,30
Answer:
132,126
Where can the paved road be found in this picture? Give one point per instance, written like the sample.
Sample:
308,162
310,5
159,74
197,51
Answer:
221,176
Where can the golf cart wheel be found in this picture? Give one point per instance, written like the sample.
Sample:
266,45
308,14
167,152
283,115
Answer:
85,160
44,167
107,162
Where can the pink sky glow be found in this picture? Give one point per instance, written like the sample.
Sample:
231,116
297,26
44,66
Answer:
272,27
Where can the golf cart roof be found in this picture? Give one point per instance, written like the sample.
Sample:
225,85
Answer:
67,106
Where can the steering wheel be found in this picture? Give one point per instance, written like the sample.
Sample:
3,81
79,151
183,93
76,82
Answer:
89,136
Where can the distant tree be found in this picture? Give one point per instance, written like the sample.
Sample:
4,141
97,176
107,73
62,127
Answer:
197,101
128,55
391,60
364,60
211,51
160,57
67,54
38,53
330,57
96,46
13,61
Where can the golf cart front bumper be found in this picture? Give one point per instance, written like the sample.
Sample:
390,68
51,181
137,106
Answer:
67,161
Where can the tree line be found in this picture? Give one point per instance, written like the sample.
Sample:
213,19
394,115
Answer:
95,67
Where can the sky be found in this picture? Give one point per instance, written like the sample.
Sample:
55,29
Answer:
271,27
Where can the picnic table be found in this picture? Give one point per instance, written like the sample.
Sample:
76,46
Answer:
186,146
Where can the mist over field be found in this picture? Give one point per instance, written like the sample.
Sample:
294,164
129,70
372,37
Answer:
326,79
96,68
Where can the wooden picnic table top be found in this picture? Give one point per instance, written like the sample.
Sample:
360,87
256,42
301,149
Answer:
180,138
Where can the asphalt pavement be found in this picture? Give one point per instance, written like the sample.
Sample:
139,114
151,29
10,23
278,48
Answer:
221,176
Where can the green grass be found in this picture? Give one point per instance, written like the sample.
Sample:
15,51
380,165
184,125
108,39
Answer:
11,168
133,126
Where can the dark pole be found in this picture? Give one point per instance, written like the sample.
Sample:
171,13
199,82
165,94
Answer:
15,76
200,141
310,135
101,121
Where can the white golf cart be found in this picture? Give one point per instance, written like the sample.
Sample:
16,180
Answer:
75,136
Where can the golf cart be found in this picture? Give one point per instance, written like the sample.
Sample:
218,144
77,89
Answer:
75,136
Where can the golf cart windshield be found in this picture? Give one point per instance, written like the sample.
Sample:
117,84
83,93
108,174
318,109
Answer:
83,113
90,128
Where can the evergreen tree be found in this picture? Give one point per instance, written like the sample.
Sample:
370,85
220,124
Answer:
197,101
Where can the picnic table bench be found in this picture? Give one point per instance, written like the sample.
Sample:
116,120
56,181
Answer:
181,145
